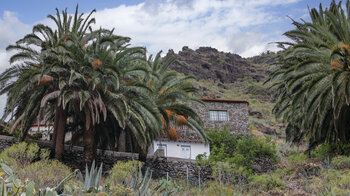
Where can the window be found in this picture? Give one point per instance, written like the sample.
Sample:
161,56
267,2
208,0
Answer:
218,115
181,127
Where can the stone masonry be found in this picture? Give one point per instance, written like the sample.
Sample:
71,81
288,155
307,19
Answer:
237,114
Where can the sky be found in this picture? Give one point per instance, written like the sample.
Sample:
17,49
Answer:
244,27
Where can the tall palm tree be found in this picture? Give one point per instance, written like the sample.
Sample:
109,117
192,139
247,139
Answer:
97,91
172,95
45,55
312,78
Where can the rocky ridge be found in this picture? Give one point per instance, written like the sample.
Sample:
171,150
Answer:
209,64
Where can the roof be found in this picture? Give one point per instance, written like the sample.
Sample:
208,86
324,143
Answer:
181,140
225,100
42,125
183,135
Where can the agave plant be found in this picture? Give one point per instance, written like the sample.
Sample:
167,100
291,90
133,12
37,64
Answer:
92,179
140,183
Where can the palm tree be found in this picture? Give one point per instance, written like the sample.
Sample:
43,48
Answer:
312,78
100,97
97,80
172,95
45,55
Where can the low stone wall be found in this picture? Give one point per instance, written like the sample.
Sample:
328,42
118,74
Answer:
161,167
178,168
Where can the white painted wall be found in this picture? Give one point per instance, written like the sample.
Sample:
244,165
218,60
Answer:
46,131
43,129
180,149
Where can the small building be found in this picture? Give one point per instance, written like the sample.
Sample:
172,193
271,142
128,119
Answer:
46,131
217,113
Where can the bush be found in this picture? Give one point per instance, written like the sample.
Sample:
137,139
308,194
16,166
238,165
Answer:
214,189
327,150
240,150
331,182
45,173
250,148
266,182
296,159
20,155
341,162
323,151
225,173
123,172
221,141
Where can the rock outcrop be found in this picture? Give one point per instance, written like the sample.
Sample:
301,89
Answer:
210,64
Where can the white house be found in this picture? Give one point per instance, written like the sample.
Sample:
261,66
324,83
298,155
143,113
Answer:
182,148
217,113
46,131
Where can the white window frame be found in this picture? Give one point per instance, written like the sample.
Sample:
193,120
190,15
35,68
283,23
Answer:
216,115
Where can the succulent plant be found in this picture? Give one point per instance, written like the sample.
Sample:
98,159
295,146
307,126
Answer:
140,183
92,178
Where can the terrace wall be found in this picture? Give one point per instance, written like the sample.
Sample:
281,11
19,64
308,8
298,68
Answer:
160,166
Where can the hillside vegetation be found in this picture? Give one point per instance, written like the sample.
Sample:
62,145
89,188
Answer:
230,76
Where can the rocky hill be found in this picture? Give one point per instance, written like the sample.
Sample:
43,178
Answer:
230,76
209,63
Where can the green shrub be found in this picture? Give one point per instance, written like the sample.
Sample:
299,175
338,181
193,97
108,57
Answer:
45,173
164,186
327,150
221,141
240,150
296,159
331,182
323,151
227,173
341,162
250,148
121,190
36,136
123,172
266,182
214,189
22,154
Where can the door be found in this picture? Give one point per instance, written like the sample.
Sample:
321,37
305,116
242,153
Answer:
186,151
164,147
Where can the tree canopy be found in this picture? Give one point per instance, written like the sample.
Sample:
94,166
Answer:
94,84
312,77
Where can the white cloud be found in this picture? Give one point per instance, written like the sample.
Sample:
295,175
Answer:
171,24
11,30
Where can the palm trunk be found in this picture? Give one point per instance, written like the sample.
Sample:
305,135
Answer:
342,133
143,154
90,150
122,141
61,116
341,123
54,135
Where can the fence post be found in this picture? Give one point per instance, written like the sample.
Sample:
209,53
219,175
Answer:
167,176
199,177
187,175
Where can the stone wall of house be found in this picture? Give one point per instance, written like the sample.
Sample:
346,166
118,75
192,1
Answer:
237,115
161,166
